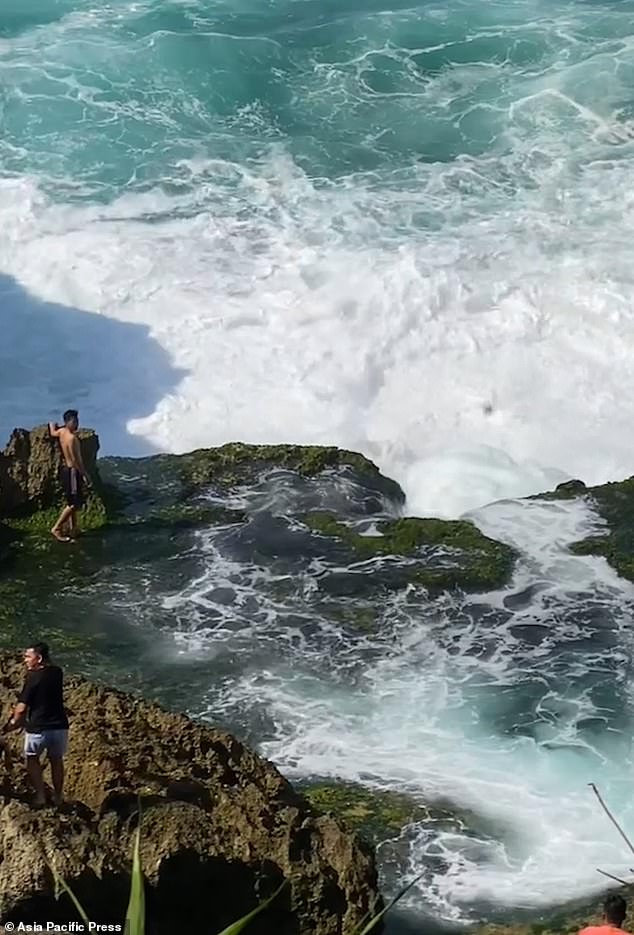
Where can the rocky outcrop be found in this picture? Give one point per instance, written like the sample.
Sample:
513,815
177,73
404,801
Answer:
614,503
220,827
168,485
29,470
376,814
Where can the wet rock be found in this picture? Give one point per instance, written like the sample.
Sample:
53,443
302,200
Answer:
220,827
567,490
390,820
165,481
574,488
614,503
443,554
376,814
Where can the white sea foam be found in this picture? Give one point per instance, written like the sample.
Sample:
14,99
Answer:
489,359
431,718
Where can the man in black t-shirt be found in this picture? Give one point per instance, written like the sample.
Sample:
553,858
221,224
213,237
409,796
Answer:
40,710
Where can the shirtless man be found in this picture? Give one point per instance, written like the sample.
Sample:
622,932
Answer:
73,475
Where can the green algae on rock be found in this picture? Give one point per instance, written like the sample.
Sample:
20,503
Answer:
360,617
470,560
614,502
192,515
380,815
166,485
237,463
376,814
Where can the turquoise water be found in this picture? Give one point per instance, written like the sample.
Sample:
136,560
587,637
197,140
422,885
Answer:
125,95
403,228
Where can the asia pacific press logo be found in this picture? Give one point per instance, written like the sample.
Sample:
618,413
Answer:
63,928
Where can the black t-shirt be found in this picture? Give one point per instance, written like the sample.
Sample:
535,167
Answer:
43,695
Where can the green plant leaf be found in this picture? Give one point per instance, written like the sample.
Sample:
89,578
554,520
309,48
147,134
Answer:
135,916
364,929
61,884
241,924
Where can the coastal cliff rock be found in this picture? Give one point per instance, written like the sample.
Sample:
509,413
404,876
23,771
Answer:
220,827
29,470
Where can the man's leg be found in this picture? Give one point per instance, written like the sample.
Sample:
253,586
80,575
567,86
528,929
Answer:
33,747
64,517
57,775
36,775
56,743
72,522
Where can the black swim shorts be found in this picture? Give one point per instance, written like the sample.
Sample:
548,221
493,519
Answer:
73,486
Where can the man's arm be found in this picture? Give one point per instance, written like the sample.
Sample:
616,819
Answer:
53,430
79,461
17,720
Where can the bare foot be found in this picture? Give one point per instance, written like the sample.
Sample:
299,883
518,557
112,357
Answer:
59,536
39,803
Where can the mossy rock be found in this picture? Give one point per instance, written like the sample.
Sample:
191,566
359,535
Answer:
190,516
91,517
20,598
360,618
376,815
569,490
380,815
237,463
473,561
167,485
614,502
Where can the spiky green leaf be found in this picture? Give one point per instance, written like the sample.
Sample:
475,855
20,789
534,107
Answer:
135,916
364,929
241,924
